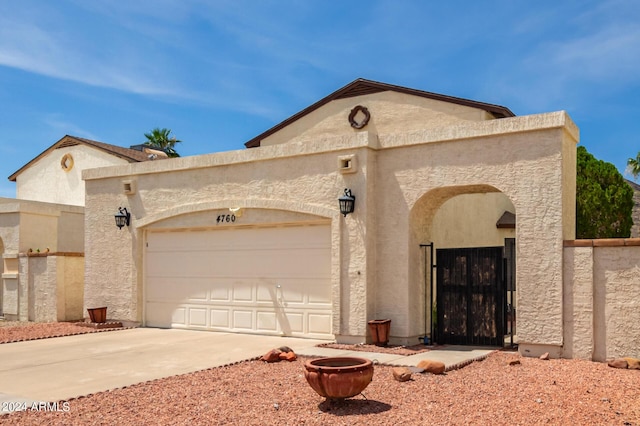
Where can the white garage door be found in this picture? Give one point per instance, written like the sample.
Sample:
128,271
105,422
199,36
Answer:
259,280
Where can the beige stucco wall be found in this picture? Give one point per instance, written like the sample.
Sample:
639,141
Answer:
31,225
402,178
578,302
469,220
390,112
528,168
601,310
45,180
52,288
36,225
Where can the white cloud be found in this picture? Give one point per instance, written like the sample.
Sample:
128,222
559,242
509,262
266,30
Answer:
57,123
30,47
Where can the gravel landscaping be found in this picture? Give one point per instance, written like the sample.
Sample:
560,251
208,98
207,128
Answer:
258,393
17,331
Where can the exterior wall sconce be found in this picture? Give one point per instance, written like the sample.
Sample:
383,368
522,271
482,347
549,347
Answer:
347,202
122,217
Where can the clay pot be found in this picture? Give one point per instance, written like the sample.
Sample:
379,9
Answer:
380,330
98,315
338,377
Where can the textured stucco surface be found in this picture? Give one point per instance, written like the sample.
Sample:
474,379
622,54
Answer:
469,220
45,180
26,225
390,111
578,302
52,288
405,172
601,310
616,271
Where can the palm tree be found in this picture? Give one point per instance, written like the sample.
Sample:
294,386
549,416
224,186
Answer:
159,139
634,166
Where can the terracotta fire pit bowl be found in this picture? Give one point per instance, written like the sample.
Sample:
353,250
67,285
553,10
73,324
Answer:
338,377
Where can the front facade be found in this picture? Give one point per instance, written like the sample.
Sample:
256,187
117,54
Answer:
253,241
42,230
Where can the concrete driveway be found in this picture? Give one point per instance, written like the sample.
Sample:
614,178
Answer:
67,367
51,370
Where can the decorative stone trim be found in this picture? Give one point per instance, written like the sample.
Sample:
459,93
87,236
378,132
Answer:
66,162
359,117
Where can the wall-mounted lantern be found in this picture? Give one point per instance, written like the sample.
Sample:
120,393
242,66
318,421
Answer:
122,217
347,202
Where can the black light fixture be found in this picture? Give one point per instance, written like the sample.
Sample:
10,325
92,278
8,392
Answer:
122,217
347,202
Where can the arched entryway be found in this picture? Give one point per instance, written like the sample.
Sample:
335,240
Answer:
463,238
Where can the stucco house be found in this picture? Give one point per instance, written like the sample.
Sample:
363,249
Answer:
253,241
42,229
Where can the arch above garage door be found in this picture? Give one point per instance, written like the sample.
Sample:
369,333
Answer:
277,204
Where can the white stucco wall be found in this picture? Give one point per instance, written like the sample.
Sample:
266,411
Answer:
46,180
375,253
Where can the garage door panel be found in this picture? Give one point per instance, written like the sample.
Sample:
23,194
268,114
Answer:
304,263
179,316
242,319
319,323
220,318
242,292
197,317
292,294
266,321
219,291
266,292
266,280
306,291
165,315
318,294
295,323
179,290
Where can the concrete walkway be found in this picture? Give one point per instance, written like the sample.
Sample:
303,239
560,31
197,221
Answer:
57,369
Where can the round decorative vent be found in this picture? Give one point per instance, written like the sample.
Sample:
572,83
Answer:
67,162
359,117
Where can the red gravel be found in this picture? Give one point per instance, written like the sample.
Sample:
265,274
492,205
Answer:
558,392
19,331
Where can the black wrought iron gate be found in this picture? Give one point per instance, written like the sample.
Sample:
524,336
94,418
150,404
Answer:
470,296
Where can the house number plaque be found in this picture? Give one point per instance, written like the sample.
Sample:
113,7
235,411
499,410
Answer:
226,218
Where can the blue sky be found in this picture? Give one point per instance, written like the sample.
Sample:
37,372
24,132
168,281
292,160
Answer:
220,72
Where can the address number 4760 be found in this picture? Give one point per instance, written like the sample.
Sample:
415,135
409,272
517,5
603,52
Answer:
226,218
